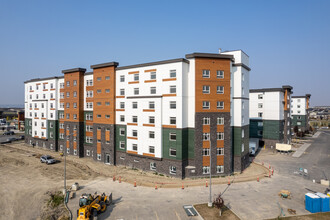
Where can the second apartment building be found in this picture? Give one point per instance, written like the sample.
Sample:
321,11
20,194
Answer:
169,116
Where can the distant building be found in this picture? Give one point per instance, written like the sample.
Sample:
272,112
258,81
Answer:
299,111
167,116
270,119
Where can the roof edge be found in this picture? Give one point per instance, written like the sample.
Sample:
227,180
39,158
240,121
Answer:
102,65
153,63
74,70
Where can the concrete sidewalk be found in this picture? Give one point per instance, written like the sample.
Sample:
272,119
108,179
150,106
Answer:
301,150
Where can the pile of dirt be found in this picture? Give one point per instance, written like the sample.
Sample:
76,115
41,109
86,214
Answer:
53,208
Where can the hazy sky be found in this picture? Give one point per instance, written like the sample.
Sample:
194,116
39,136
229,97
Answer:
287,41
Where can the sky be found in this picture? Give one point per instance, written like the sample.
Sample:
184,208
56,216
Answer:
287,41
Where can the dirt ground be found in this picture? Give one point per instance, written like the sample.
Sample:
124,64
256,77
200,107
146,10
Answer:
25,181
318,216
213,213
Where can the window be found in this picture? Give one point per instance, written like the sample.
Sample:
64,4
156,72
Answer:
74,105
136,91
67,116
298,123
98,116
206,105
220,105
152,90
88,153
30,96
62,125
152,75
89,94
134,119
206,170
172,73
107,91
89,117
98,91
151,134
30,87
51,125
298,106
220,90
134,147
206,121
260,105
172,89
172,136
242,147
37,96
75,127
67,94
42,124
51,95
260,133
89,82
51,105
98,156
220,120
299,117
172,104
89,139
122,91
152,166
220,151
68,83
206,73
122,131
151,105
89,127
206,89
134,105
220,74
151,149
74,94
136,77
122,118
298,112
107,78
122,105
61,136
206,136
122,78
75,116
173,120
298,100
35,105
172,152
122,145
37,87
243,133
98,78
44,96
67,105
172,170
260,96
42,105
134,133
260,124
206,151
220,135
151,120
98,103
260,114
220,169
107,103
51,146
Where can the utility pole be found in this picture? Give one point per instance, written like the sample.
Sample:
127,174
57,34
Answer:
210,201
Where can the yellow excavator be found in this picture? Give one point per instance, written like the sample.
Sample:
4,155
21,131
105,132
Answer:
92,205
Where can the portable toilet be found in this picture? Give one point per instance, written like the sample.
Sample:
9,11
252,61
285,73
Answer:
312,203
325,202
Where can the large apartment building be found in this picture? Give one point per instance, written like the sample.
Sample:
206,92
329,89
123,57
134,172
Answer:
270,118
299,111
170,116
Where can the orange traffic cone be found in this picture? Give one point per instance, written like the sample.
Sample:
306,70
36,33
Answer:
119,179
134,183
182,186
257,179
228,181
269,166
114,178
156,186
272,172
206,184
269,174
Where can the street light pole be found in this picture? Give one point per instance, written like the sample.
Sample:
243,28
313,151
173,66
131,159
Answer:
210,199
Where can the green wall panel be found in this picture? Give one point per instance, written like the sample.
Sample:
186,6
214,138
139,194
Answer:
302,120
54,129
254,128
273,129
120,138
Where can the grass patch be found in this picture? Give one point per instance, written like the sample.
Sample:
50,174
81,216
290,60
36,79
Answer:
55,199
213,213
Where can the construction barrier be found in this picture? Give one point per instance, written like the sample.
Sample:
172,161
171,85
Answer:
119,179
182,186
134,183
257,179
206,184
156,186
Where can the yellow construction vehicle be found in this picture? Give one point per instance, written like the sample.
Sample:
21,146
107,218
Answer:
92,205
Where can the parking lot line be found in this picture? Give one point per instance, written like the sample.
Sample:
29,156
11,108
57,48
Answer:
156,215
177,215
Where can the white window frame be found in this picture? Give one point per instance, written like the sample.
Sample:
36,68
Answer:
206,74
220,121
220,74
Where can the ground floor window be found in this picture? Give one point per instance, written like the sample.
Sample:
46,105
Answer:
31,142
75,151
88,153
206,170
172,152
68,150
98,156
220,169
44,145
152,166
122,145
172,170
220,151
61,147
51,146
